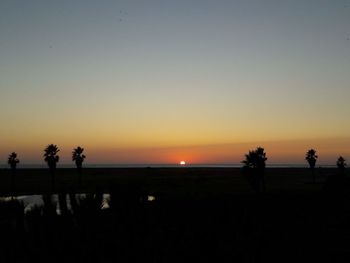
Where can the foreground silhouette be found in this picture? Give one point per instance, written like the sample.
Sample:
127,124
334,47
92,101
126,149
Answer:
311,158
254,167
51,158
240,228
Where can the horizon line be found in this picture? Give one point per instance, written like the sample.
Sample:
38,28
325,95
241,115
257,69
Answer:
159,165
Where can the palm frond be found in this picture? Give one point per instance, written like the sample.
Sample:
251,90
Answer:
255,158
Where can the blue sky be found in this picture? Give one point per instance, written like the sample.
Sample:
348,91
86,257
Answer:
172,73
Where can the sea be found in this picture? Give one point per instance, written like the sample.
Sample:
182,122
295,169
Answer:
95,166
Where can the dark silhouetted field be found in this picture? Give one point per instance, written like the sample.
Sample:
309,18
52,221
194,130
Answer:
164,181
198,215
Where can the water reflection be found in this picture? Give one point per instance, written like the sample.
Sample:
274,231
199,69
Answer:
151,198
46,225
105,201
31,202
62,204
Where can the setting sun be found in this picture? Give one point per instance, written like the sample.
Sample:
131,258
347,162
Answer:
182,163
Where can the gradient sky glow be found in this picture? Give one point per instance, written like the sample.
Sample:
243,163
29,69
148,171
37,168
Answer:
162,81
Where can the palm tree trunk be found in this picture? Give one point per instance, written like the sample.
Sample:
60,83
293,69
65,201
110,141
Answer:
263,183
80,176
12,182
49,208
52,181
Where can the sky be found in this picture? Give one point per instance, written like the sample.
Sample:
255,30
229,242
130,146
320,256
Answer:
161,81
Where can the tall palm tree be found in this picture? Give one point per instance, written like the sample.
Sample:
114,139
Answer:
341,164
254,164
78,157
311,158
51,157
13,161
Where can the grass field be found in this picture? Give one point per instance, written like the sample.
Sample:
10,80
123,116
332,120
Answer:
164,181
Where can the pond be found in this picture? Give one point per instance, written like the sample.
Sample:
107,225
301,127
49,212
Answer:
31,202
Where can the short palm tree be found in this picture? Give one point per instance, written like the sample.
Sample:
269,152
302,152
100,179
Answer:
13,161
311,158
51,158
255,163
78,157
341,164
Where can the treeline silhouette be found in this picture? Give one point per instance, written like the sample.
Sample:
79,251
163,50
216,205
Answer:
253,168
51,158
135,227
255,164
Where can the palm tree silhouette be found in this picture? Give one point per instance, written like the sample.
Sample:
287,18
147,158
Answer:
51,157
254,164
341,164
311,158
13,161
78,157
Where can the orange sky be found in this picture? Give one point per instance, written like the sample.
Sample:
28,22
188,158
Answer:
278,152
202,81
284,152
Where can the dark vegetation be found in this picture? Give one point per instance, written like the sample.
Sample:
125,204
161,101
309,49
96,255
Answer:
180,181
252,214
199,220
